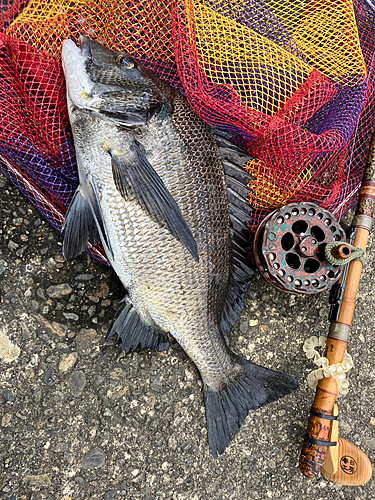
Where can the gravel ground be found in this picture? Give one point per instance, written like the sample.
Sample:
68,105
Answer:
80,420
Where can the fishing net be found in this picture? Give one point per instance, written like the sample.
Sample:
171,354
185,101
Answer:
293,82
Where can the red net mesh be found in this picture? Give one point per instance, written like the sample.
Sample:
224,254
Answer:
293,83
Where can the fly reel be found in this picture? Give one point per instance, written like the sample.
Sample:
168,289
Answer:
289,248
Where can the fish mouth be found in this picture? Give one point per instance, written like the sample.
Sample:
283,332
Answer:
78,84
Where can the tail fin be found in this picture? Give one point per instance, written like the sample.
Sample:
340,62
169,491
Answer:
227,408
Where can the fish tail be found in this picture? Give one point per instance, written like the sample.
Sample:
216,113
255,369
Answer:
227,408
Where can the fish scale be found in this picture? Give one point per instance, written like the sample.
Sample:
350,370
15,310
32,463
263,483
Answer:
153,188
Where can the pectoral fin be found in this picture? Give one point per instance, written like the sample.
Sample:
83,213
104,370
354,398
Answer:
137,177
80,227
84,224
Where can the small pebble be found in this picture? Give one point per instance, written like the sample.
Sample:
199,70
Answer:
155,384
98,380
12,245
20,253
77,382
8,351
68,361
49,377
243,327
186,446
91,310
323,312
6,419
33,304
263,329
59,291
59,258
109,494
29,372
71,316
37,394
93,459
84,277
40,480
59,328
94,298
85,340
7,396
53,328
371,444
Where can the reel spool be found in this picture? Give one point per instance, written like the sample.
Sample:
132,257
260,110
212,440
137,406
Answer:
289,248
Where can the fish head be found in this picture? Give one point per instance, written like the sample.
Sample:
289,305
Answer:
108,83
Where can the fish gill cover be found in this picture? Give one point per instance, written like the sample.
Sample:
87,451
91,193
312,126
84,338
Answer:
292,81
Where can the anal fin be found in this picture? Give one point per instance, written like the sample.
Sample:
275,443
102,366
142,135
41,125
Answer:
133,332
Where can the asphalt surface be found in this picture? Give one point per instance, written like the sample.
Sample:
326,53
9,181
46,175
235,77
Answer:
80,420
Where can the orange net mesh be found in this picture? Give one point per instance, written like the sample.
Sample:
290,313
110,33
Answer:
292,81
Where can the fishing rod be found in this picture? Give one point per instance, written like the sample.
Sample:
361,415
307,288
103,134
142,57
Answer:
346,464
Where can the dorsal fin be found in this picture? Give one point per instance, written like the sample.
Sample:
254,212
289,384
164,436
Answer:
237,180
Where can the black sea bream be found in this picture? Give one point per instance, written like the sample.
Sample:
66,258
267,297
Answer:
153,188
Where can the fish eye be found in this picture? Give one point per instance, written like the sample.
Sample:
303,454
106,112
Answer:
124,61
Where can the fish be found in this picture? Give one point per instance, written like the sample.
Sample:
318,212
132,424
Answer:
166,195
